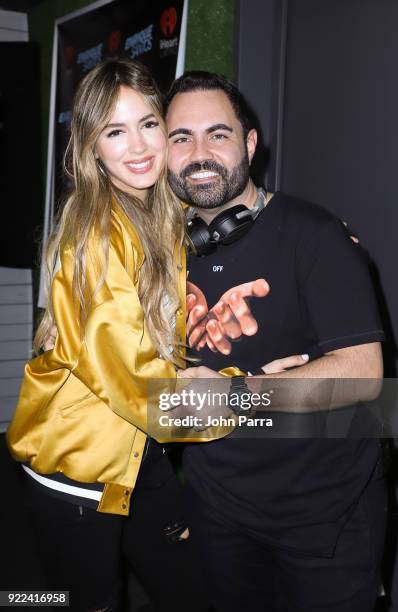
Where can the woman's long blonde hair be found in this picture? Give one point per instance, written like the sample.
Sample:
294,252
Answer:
159,221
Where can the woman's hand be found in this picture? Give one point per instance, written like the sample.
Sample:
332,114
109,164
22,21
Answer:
50,340
281,365
199,372
273,367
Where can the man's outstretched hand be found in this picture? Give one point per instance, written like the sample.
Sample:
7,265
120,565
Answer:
227,320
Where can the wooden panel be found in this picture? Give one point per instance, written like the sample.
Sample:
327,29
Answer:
15,276
20,349
9,386
16,332
7,409
16,314
11,369
13,26
15,294
13,36
14,20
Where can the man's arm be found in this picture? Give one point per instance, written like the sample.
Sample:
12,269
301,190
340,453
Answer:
361,361
348,375
339,378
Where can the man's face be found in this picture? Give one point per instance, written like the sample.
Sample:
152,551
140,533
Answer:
208,158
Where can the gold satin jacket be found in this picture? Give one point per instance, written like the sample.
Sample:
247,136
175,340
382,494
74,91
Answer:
83,405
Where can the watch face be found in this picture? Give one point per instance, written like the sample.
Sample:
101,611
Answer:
239,396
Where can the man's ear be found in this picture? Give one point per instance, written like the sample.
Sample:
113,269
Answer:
251,144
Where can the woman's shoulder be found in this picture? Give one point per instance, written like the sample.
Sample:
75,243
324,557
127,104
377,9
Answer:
125,248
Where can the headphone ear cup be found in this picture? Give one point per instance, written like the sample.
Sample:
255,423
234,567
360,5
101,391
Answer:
228,227
225,228
200,237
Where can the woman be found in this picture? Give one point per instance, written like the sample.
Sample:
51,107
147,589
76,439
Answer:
117,282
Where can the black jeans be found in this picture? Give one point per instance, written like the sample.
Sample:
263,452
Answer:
244,574
85,551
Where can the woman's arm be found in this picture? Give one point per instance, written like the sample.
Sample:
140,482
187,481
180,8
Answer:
114,357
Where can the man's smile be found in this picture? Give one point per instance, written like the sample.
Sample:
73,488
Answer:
203,176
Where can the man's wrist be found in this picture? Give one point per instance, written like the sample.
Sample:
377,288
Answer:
237,392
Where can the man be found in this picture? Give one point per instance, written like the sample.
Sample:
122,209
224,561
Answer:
282,524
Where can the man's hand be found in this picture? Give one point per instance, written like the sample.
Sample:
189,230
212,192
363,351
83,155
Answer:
197,312
228,319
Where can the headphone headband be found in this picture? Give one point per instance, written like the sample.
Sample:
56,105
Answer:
227,227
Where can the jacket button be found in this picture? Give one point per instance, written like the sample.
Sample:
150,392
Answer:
179,311
127,492
136,455
124,506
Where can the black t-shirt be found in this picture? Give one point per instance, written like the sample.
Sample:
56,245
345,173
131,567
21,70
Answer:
295,493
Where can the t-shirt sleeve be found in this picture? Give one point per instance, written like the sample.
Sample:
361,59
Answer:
337,290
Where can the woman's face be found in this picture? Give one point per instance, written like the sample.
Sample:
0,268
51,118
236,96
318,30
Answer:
132,147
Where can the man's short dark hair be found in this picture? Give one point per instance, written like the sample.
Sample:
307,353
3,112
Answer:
200,80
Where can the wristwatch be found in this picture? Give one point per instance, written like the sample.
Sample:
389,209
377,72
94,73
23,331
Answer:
237,390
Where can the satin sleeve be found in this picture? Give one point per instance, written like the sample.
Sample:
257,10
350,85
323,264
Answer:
117,360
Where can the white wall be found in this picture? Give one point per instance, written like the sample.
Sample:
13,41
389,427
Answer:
15,285
16,314
13,26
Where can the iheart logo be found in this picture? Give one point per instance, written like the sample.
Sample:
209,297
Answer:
168,21
114,41
69,55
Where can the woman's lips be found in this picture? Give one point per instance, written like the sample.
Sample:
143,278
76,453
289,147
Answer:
140,166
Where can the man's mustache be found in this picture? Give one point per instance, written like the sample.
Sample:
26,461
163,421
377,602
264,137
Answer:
208,165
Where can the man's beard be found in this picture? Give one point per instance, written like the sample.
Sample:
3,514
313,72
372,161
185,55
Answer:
226,187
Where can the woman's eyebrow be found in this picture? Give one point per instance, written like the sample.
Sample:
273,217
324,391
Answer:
149,116
114,125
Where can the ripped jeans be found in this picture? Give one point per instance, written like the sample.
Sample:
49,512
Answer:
87,552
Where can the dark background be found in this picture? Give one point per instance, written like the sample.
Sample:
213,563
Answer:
322,79
20,154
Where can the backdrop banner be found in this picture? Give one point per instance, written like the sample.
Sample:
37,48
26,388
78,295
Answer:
153,33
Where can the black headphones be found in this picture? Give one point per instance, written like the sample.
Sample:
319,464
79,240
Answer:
229,226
